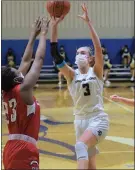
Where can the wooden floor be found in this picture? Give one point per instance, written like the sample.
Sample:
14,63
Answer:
57,138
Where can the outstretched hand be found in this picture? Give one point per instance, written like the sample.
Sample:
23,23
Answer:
55,21
115,98
44,25
84,16
36,26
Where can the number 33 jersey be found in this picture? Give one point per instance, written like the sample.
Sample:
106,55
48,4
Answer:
21,118
86,91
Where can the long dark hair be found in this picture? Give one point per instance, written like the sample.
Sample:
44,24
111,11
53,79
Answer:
7,78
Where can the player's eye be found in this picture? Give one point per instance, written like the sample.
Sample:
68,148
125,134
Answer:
82,52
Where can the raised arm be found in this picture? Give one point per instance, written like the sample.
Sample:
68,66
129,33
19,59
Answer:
98,67
130,102
33,75
67,71
26,60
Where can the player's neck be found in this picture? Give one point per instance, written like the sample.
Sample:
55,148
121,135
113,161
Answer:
84,70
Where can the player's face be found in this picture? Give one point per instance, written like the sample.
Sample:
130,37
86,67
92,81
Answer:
82,57
83,51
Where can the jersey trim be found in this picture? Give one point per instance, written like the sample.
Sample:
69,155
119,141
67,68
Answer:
22,137
31,109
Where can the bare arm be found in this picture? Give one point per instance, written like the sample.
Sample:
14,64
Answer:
98,67
127,101
26,60
130,102
66,70
33,75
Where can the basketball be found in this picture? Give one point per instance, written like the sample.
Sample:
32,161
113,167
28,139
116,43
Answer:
58,8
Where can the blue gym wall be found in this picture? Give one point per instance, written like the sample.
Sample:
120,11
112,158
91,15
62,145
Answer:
113,46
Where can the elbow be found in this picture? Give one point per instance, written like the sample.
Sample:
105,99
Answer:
39,60
98,51
40,54
25,86
98,48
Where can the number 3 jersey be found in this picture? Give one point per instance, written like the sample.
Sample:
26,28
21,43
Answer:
86,91
21,118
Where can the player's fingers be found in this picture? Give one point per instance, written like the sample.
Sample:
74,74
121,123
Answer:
80,16
48,21
46,18
35,22
59,19
43,21
85,9
113,96
38,23
62,17
37,19
84,4
52,18
82,7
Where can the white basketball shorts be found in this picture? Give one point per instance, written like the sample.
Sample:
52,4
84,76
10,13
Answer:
99,125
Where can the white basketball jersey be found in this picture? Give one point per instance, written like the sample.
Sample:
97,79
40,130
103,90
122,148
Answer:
86,91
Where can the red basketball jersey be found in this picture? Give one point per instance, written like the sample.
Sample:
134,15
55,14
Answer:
21,118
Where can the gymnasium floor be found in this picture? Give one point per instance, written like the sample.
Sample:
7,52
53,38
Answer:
57,139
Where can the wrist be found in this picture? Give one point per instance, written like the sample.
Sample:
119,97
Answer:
120,99
43,33
32,38
33,34
54,26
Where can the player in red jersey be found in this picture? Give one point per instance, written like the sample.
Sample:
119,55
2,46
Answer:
20,107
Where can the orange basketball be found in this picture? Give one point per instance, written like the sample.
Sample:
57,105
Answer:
58,8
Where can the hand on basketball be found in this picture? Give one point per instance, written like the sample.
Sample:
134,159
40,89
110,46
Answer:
55,21
115,98
85,14
36,27
44,25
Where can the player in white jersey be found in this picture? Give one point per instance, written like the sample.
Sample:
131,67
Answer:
86,86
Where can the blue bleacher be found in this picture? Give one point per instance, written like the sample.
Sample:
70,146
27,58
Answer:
117,73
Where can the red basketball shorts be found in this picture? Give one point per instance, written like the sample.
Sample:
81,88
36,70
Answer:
20,155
